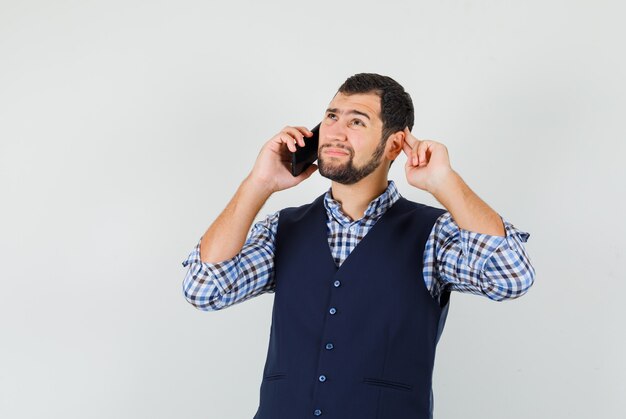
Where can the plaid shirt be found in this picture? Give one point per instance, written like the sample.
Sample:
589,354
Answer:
454,259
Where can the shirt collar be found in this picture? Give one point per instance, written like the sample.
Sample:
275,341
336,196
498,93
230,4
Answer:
375,209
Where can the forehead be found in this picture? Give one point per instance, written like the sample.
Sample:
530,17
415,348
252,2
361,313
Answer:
364,102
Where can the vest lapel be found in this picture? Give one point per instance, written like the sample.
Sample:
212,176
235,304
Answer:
321,231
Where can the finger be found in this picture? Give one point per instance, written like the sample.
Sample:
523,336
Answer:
290,141
295,133
414,154
409,138
408,151
305,131
411,153
421,152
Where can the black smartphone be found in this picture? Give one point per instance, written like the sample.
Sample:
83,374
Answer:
305,156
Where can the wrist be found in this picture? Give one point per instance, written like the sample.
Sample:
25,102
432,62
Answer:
260,186
447,181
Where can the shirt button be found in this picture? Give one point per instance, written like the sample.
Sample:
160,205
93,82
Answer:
317,412
352,228
322,378
332,310
337,283
329,346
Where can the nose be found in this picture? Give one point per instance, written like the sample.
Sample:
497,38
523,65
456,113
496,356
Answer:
335,133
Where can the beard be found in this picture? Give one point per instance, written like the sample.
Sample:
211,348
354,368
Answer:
347,173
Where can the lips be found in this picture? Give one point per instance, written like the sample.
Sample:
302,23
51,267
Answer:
335,151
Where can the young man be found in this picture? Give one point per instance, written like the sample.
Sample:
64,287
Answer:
362,276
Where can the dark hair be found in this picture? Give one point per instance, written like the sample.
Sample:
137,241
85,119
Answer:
396,106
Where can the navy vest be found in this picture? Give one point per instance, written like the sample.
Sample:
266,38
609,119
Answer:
356,341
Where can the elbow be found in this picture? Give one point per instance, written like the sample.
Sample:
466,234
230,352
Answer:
526,280
203,303
211,301
512,287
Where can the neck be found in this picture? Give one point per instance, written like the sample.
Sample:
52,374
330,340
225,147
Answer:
355,198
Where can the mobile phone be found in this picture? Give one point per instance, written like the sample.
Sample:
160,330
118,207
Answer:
305,156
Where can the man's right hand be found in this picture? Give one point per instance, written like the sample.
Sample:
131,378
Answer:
271,173
272,169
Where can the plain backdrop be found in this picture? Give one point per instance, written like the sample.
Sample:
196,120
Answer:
126,127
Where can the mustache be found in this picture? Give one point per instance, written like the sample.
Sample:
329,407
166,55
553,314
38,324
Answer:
337,146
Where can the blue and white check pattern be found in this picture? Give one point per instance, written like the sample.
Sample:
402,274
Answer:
454,259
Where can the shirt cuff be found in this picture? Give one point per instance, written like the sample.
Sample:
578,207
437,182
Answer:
219,272
478,248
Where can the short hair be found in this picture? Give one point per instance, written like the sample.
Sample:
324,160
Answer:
396,106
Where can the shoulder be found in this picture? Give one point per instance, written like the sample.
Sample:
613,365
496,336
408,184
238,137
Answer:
418,209
298,212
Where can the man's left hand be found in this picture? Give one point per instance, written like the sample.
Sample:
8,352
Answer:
428,165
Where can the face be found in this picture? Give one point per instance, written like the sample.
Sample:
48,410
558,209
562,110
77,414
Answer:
350,146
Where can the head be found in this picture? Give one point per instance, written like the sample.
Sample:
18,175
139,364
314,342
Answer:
365,121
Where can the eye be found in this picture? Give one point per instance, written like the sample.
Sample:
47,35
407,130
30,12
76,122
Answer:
331,115
358,122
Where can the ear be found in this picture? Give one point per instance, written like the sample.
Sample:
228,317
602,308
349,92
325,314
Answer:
394,145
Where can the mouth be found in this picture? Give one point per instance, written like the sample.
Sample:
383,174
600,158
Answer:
335,152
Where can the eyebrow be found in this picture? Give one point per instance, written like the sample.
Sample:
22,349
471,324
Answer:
350,111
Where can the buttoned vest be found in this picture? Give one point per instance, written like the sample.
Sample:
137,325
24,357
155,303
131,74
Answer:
356,341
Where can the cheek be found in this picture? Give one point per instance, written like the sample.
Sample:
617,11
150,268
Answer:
364,150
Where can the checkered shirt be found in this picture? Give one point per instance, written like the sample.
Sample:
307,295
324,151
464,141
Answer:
454,259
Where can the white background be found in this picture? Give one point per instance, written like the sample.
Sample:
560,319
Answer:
126,127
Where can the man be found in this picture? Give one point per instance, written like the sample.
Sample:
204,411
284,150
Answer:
362,276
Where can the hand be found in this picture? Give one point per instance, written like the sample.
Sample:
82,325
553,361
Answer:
272,169
428,163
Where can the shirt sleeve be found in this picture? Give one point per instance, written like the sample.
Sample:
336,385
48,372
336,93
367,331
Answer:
213,286
460,260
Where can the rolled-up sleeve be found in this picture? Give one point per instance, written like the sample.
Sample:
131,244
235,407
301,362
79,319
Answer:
493,266
213,286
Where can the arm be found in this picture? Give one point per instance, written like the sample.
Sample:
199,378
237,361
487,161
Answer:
213,286
270,174
428,168
216,276
471,248
233,224
460,260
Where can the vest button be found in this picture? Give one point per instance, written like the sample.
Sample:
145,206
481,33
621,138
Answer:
322,378
329,346
332,310
337,283
317,412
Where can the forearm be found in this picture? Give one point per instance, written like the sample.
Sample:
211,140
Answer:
227,235
467,209
463,261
